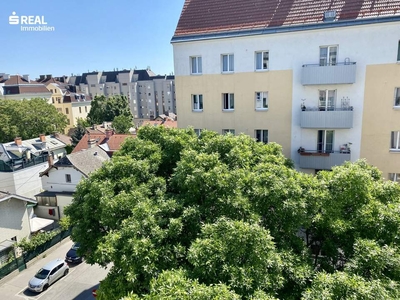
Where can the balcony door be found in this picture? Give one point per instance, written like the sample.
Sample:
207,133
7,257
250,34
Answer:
325,141
328,56
327,99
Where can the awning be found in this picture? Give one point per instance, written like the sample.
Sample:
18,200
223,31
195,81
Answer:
6,245
39,223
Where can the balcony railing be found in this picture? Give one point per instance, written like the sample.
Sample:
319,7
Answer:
320,160
339,73
327,117
19,164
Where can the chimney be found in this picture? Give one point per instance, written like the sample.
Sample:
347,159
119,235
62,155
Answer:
56,134
42,77
18,141
109,133
48,76
26,77
91,143
50,159
42,138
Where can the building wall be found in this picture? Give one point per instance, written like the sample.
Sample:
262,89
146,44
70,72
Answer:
244,118
56,181
62,202
14,220
79,110
288,52
381,117
25,182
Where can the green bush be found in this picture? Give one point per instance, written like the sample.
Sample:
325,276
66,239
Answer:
37,240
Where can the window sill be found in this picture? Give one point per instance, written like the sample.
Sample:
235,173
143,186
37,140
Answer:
232,110
394,150
261,109
197,110
196,74
396,107
261,70
228,72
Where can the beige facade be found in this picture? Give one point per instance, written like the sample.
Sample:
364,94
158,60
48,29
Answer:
244,118
381,117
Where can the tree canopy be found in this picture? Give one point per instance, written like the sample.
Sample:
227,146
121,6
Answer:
29,118
105,109
122,124
226,217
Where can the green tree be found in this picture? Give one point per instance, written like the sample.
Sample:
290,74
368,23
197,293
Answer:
230,216
122,124
105,109
80,131
29,118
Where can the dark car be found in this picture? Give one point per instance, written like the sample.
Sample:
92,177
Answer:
72,255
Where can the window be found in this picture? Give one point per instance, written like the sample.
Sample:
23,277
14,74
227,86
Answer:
325,141
398,52
59,100
67,110
227,63
327,100
85,108
261,100
261,135
262,60
52,99
394,177
226,131
67,177
80,109
328,56
196,65
50,201
197,102
228,101
92,85
197,131
394,140
59,109
397,97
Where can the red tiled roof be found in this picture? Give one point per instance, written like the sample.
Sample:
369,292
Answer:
83,143
115,141
211,16
167,123
17,79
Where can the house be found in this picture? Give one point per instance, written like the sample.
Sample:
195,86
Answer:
107,140
59,180
74,104
299,73
21,161
16,87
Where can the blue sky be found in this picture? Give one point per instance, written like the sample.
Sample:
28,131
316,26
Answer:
89,35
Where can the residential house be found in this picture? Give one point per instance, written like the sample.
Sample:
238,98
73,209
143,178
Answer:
21,161
299,73
16,87
59,180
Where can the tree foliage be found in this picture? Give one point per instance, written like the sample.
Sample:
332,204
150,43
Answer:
226,217
80,131
122,124
28,119
105,109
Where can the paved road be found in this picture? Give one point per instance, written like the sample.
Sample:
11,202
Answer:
77,285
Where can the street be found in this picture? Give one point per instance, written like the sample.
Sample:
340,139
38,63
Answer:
77,285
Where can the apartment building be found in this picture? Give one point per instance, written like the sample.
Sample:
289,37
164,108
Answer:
149,94
322,79
67,99
16,87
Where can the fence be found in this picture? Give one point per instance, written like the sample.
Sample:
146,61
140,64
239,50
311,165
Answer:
20,262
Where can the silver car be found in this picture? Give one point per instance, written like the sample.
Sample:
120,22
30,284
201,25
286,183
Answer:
47,275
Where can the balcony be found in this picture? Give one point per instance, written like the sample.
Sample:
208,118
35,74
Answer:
325,118
340,73
323,160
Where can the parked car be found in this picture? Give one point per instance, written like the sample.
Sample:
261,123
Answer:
48,274
72,255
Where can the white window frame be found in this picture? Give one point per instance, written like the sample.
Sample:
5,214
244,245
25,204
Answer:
331,58
395,177
196,65
326,100
262,60
398,52
395,141
324,145
197,102
261,101
197,131
228,63
260,134
396,102
226,131
228,102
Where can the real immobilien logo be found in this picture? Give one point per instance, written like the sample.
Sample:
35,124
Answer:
34,23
